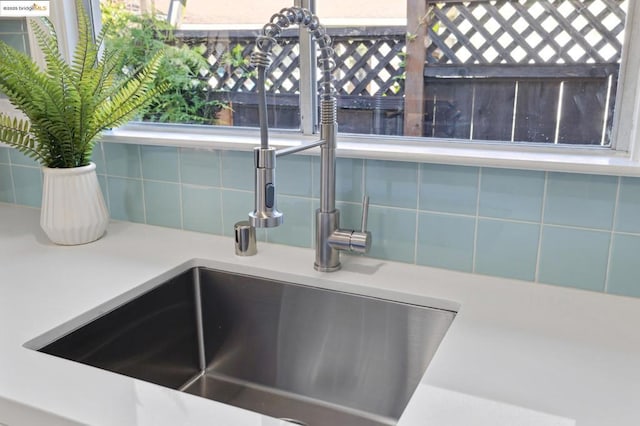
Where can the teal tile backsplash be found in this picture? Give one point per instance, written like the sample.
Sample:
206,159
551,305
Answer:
298,223
580,200
507,249
162,204
201,209
160,163
574,257
393,232
293,175
445,241
237,170
122,160
349,179
574,230
623,268
449,189
18,158
200,167
6,184
350,213
98,159
126,199
4,155
511,194
393,184
628,211
27,182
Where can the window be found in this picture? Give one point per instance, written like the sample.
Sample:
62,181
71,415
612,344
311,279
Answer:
13,31
495,73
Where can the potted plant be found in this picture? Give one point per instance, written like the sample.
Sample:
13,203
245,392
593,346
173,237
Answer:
67,106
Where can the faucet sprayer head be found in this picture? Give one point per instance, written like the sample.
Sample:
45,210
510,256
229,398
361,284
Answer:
265,215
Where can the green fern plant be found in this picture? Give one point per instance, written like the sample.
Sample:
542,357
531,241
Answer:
68,105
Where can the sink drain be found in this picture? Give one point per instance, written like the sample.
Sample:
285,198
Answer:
294,421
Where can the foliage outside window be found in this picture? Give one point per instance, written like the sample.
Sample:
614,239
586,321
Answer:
184,68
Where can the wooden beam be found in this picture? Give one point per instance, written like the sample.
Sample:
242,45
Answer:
414,67
521,71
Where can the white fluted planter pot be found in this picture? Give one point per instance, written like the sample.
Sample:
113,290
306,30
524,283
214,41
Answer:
73,208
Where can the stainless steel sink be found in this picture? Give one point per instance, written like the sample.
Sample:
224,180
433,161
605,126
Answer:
290,351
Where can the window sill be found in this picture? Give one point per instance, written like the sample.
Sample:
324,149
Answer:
556,159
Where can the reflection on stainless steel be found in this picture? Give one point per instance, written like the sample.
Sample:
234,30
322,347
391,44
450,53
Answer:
289,351
245,236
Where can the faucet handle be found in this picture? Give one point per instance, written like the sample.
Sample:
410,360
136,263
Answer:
361,240
350,240
365,213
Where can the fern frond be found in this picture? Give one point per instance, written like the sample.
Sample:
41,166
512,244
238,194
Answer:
122,102
16,133
33,92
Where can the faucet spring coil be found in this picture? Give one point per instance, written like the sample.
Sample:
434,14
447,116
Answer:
293,14
328,110
327,64
301,16
260,59
279,20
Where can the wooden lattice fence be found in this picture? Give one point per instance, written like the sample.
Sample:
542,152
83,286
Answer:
525,32
522,71
526,70
368,76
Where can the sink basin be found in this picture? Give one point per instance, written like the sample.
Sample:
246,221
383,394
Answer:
290,351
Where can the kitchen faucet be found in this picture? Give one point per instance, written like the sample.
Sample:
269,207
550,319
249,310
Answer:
330,238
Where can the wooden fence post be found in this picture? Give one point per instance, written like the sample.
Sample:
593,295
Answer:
415,59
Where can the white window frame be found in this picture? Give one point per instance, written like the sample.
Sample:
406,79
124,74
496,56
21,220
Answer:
626,133
622,158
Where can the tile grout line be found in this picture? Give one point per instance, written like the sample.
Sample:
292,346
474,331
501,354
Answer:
192,185
219,190
536,276
579,228
494,218
144,199
477,221
218,231
613,227
181,200
508,220
630,234
222,189
363,178
106,178
13,181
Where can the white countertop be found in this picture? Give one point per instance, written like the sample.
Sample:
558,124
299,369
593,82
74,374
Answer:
517,353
